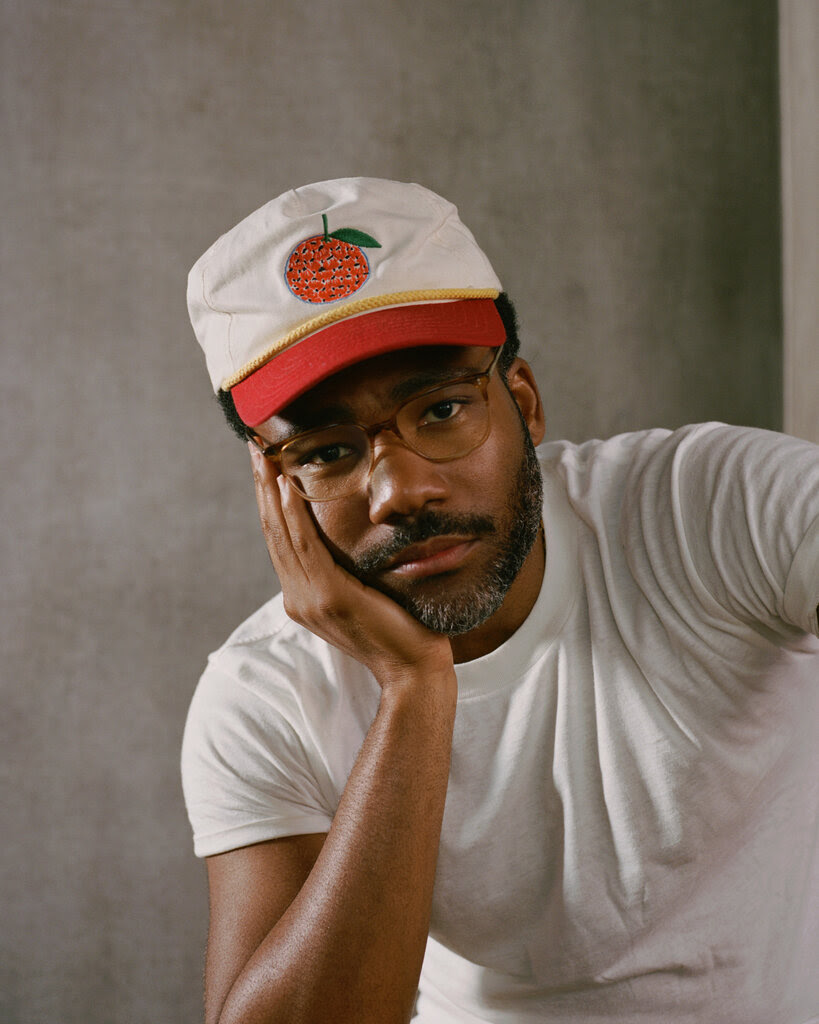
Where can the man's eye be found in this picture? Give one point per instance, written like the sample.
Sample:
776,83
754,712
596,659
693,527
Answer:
327,455
442,411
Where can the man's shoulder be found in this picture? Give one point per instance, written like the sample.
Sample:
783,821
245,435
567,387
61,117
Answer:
599,469
260,628
272,659
267,638
629,452
619,447
609,481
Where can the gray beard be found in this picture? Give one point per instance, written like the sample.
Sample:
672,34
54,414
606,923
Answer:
454,614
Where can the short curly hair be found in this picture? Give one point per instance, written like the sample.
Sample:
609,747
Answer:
511,347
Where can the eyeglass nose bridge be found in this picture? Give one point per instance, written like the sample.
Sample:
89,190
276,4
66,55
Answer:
375,431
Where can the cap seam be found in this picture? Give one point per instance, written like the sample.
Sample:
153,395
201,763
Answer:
214,309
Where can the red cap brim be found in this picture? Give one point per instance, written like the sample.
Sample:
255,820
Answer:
297,369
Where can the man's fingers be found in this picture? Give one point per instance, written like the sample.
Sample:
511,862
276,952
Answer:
309,548
274,524
295,547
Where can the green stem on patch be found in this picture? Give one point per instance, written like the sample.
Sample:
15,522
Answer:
324,221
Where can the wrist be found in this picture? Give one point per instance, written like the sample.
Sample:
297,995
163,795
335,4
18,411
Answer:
420,687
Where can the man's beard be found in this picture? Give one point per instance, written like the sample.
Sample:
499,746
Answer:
456,613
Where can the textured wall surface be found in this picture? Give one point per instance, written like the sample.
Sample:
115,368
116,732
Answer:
618,162
799,91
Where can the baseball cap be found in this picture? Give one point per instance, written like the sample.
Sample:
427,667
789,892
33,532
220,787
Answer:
332,273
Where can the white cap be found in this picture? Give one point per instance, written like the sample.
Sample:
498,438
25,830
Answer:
317,256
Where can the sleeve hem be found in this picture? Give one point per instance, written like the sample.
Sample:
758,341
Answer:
258,832
802,586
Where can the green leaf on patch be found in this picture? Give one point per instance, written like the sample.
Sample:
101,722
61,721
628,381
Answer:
355,238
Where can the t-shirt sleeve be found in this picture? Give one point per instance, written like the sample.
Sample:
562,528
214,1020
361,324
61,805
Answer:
742,510
802,588
246,774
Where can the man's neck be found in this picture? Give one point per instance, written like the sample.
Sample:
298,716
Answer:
519,601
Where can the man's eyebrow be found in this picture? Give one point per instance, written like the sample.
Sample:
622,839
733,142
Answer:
407,387
312,421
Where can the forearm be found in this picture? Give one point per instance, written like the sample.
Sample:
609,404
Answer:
351,944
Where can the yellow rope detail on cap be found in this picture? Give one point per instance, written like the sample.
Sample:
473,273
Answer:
331,316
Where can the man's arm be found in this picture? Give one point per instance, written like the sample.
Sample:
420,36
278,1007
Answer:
312,928
250,889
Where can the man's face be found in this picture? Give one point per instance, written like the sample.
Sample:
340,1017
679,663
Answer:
445,540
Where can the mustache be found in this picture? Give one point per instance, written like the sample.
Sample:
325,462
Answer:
425,525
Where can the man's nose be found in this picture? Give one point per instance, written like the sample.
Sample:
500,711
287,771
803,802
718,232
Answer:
401,482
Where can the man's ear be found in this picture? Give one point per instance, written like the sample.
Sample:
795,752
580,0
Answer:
523,388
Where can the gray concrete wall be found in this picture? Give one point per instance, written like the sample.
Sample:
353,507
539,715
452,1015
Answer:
799,104
617,160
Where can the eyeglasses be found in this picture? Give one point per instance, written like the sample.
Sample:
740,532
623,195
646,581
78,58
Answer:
441,424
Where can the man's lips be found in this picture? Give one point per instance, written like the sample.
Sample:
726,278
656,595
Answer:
438,554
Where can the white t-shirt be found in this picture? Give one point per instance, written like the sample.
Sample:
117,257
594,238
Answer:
631,824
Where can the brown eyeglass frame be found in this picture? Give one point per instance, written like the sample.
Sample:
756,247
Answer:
480,380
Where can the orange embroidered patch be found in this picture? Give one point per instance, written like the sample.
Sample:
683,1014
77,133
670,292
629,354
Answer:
331,266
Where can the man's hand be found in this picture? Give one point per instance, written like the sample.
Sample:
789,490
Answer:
322,596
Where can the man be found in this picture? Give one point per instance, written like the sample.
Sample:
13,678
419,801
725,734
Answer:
545,744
